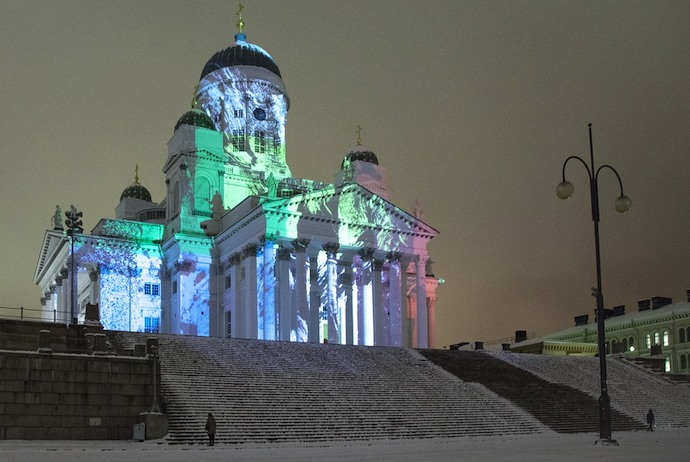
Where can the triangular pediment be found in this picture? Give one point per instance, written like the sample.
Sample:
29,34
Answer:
52,243
350,215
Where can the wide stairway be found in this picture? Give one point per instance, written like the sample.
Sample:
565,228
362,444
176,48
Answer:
262,391
633,389
556,404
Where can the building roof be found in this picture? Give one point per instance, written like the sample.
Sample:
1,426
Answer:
241,53
679,309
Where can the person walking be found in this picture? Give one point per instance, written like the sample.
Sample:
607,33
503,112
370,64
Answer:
211,429
650,420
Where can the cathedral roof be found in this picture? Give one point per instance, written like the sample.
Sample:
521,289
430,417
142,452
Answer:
362,153
197,118
136,190
241,53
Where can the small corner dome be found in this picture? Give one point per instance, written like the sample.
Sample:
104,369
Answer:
361,153
136,191
196,118
241,53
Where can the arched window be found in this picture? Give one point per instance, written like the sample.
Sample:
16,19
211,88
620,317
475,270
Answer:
657,338
683,362
648,341
175,200
681,335
667,364
687,334
631,343
625,344
665,338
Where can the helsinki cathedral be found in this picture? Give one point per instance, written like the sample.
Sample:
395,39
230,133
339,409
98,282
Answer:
241,248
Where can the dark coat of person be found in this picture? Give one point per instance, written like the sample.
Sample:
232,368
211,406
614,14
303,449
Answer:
650,420
210,424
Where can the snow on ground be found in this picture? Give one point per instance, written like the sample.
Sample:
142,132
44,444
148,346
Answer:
664,444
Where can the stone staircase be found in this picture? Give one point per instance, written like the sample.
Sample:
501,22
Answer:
559,406
633,389
262,391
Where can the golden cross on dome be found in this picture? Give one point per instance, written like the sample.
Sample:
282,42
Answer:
136,173
240,22
359,135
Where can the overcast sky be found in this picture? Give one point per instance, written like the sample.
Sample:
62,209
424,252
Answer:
472,106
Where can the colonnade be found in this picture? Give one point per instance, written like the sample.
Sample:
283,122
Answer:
311,292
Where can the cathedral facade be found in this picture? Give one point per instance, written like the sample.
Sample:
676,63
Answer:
241,248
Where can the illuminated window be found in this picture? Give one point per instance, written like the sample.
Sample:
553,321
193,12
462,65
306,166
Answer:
152,289
656,338
260,143
681,335
631,343
239,140
665,337
648,341
667,364
152,325
176,199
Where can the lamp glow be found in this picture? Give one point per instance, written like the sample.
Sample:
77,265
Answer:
565,189
623,204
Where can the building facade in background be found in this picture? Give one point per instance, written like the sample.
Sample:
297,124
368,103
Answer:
239,247
658,332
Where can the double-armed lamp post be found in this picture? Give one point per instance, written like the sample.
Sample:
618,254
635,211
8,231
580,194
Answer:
74,227
564,191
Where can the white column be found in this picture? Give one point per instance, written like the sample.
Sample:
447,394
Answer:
334,327
314,300
365,299
394,309
284,312
422,312
231,298
301,315
347,314
380,312
248,280
269,294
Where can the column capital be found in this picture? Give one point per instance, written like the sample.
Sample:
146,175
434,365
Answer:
234,259
268,237
250,251
331,248
284,254
393,256
300,244
366,253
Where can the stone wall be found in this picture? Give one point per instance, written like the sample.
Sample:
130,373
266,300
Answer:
72,396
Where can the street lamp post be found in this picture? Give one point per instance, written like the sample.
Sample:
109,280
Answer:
74,226
564,190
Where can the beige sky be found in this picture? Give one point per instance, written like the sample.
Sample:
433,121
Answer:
472,106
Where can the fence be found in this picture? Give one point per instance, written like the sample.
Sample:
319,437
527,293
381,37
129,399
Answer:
9,312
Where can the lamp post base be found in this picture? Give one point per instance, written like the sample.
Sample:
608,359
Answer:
606,442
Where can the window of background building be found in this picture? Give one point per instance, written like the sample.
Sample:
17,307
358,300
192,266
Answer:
648,341
683,362
657,338
151,325
665,338
667,364
681,335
